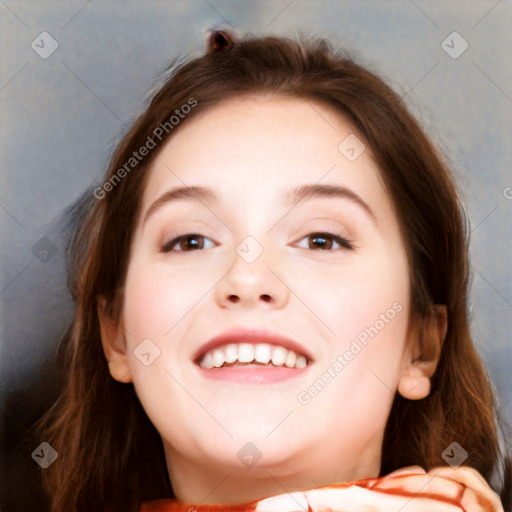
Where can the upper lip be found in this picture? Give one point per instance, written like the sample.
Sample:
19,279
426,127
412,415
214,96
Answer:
253,336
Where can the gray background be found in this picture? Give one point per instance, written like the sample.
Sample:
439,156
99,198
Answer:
61,117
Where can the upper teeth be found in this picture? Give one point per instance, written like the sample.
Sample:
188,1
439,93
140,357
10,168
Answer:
262,353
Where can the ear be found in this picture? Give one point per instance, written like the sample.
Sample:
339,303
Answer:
114,344
414,383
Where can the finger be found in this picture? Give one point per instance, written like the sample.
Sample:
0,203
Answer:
409,470
428,484
464,474
414,470
475,481
471,503
355,499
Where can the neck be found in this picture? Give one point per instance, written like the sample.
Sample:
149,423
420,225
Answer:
201,482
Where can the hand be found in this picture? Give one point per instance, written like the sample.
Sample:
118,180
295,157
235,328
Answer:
408,490
464,485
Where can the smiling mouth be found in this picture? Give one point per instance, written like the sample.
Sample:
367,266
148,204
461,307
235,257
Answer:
252,355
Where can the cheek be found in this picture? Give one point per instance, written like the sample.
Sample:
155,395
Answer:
143,306
354,385
156,300
350,298
365,307
160,304
157,297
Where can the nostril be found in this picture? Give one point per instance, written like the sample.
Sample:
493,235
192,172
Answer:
236,298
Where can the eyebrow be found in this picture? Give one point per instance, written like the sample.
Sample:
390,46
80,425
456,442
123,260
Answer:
312,191
202,194
294,196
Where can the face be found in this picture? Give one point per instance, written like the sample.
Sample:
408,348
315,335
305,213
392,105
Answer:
326,270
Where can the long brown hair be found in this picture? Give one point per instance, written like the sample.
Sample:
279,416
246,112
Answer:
110,455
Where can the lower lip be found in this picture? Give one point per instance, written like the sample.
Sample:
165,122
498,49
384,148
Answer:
252,374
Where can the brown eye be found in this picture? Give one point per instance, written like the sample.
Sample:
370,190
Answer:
326,242
191,242
320,241
187,243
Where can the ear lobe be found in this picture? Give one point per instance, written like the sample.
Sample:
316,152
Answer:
414,383
114,344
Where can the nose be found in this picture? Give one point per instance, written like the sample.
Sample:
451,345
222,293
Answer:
255,284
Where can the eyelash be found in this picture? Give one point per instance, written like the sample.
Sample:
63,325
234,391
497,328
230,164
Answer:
343,242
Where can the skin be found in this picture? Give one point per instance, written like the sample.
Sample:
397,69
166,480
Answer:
250,151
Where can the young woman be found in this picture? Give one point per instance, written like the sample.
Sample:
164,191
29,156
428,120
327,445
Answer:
271,304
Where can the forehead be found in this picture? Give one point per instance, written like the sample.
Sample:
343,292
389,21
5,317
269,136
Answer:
255,147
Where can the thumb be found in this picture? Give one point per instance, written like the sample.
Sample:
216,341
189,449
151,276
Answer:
409,470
